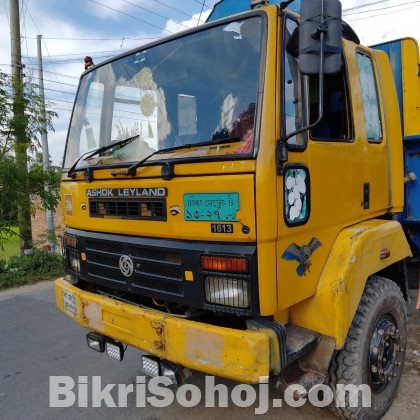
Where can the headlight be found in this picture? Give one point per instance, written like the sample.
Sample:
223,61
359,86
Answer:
227,291
70,248
73,260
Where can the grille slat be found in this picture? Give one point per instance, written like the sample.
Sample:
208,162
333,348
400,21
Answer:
166,272
103,259
107,247
141,209
148,254
173,288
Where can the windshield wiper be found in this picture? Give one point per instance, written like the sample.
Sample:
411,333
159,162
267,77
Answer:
72,171
131,171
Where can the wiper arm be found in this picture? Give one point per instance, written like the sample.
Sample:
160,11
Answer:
72,171
131,171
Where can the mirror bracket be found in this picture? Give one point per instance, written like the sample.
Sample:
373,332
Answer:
282,155
322,28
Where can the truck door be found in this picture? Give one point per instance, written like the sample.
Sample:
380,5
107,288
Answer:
320,191
371,130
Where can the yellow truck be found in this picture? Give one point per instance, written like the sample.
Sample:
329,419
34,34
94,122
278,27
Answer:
233,195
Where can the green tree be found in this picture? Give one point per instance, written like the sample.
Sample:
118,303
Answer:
20,175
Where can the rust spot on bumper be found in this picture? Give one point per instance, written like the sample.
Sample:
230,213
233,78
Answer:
160,330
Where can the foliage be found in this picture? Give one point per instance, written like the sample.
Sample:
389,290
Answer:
9,244
55,236
21,174
38,262
40,265
34,119
38,178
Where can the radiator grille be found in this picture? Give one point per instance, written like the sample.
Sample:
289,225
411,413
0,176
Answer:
153,270
142,209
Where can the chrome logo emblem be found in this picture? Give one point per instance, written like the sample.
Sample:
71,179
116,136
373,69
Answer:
126,265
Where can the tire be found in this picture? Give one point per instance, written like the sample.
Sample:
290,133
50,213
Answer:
374,350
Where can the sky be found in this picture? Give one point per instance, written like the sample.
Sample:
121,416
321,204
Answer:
72,29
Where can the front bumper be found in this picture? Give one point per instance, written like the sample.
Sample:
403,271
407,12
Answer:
236,354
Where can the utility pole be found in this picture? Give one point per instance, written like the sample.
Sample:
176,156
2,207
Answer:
21,143
49,214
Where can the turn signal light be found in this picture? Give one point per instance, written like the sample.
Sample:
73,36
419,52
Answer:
70,241
225,264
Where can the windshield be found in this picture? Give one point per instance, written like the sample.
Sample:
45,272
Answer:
188,90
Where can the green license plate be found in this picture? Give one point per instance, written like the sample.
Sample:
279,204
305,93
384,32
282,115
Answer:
211,206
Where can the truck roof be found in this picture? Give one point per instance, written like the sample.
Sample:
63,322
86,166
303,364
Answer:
225,8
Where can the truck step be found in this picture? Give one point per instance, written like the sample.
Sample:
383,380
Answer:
293,341
299,341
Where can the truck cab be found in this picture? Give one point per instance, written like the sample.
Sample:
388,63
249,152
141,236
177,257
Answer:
233,211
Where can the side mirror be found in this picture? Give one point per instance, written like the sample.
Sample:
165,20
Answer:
320,37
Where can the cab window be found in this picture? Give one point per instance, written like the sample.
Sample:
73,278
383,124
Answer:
336,123
293,116
370,98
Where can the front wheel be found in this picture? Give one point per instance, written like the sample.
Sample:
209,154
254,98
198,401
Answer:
374,350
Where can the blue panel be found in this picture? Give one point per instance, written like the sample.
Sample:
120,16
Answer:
412,189
227,8
415,235
393,49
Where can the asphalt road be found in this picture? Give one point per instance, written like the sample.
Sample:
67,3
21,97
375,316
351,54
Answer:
38,342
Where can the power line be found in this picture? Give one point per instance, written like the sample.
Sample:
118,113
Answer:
133,17
382,8
59,91
23,19
59,100
21,10
46,71
199,18
46,47
80,59
200,2
154,13
382,14
58,109
53,81
61,74
365,5
177,10
7,14
65,84
96,39
84,53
